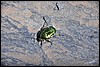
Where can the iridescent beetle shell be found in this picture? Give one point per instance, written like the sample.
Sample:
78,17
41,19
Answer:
45,33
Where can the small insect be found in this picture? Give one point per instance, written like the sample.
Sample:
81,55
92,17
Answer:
45,33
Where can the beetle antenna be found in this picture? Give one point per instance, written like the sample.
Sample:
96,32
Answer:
45,21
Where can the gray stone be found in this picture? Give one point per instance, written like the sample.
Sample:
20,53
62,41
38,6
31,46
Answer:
76,42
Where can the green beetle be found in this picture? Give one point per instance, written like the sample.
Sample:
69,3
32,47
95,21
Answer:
45,33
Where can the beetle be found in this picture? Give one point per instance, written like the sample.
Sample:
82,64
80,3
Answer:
45,33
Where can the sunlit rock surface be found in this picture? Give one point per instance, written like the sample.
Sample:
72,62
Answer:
76,42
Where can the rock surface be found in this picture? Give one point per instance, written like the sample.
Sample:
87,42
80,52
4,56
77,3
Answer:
76,42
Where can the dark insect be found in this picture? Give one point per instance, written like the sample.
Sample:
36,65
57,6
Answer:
45,33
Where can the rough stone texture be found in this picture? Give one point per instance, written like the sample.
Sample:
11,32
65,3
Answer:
76,42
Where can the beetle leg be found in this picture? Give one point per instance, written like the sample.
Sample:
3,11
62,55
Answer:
49,41
57,6
41,44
